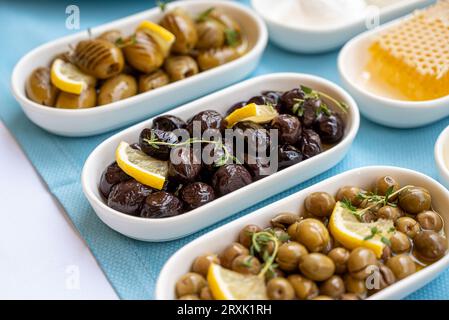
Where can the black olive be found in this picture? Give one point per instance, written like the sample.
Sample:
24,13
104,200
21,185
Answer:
136,146
112,175
259,167
214,156
255,136
184,165
161,152
205,120
274,98
197,194
230,178
236,106
128,196
329,127
310,143
291,97
289,128
168,123
288,155
161,204
310,111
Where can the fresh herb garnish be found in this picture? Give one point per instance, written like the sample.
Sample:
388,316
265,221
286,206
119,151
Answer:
386,241
346,203
260,241
232,37
374,231
315,94
162,4
204,15
124,43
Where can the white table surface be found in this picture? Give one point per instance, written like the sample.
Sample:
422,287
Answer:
42,256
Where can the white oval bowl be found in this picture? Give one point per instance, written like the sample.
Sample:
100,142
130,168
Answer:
320,39
217,240
223,207
381,109
442,156
97,120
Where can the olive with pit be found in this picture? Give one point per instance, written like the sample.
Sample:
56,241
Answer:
180,67
390,213
231,252
205,120
143,53
333,287
402,266
40,89
87,99
384,277
310,232
400,243
355,286
330,127
161,204
246,264
117,88
289,128
153,80
340,257
190,283
430,245
360,263
168,123
317,266
202,263
229,178
289,255
161,152
288,155
280,289
99,58
304,288
128,196
415,200
183,28
246,234
310,143
211,34
430,220
214,57
386,184
408,225
197,194
320,204
112,175
184,165
349,193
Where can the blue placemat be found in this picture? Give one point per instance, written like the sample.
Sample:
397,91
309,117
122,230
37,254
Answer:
131,266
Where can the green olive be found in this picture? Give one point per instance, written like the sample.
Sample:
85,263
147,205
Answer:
246,264
304,288
190,283
355,286
310,232
400,243
317,266
183,27
284,220
385,184
274,273
153,80
112,36
117,88
415,200
201,264
349,296
430,220
322,297
231,252
385,277
211,34
143,53
340,257
360,262
206,294
226,20
87,99
429,245
349,193
180,67
280,289
402,266
389,213
320,204
190,297
246,234
98,58
333,287
409,226
40,89
211,58
289,255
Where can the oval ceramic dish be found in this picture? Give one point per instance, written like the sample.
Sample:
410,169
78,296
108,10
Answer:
320,39
382,109
105,118
442,156
218,239
182,225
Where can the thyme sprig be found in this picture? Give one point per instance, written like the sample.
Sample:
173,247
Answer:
309,93
205,14
261,240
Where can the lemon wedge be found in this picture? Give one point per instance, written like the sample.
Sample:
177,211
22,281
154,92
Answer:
162,36
351,233
230,285
68,78
252,112
145,169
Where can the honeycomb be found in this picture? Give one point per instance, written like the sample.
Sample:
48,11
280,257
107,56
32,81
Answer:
413,56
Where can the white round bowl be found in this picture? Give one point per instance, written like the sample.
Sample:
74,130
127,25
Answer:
442,156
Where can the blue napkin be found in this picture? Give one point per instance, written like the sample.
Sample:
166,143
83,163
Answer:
131,266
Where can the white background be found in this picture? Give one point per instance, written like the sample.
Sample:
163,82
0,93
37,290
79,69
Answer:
42,256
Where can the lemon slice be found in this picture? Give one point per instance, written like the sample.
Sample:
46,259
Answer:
145,169
68,78
230,285
162,36
252,112
351,233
